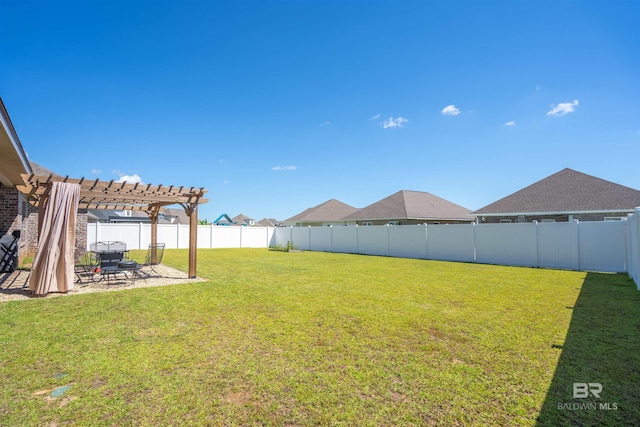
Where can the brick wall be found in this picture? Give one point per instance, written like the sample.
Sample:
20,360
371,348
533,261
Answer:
29,236
9,218
81,230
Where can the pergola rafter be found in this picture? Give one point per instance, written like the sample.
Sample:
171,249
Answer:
111,195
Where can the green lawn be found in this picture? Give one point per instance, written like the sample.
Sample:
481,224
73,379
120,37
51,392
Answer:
309,338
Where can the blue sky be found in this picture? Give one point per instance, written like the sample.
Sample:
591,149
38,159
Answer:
277,106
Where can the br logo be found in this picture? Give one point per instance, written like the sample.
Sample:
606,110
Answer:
583,390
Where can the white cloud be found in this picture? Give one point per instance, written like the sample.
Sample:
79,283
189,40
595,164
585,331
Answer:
375,117
95,171
327,123
562,108
284,168
394,123
511,123
451,110
131,179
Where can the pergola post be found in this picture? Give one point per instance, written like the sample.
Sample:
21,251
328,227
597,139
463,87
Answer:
192,211
153,216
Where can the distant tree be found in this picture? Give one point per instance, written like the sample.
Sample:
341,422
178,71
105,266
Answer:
203,222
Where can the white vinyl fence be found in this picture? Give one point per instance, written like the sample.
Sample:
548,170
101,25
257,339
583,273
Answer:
176,236
586,246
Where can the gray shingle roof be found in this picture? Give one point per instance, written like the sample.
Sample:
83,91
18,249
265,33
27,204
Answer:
268,222
566,191
411,205
41,170
242,219
331,210
180,215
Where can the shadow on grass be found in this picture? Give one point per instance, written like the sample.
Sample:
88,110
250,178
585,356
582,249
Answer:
602,347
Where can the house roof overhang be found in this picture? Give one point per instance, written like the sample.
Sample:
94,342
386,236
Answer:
13,159
617,211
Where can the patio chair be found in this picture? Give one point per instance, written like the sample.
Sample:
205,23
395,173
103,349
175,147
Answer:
153,257
85,267
9,252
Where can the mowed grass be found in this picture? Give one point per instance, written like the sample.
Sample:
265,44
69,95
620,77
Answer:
306,339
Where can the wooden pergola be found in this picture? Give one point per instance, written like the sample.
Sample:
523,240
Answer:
96,194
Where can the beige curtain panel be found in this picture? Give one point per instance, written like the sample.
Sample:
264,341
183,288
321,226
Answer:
52,269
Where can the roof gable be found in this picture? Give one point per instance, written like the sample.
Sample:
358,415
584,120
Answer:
331,210
566,191
242,219
223,219
412,205
268,222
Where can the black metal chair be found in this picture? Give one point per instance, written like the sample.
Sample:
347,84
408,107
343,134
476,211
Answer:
109,264
9,252
85,268
154,257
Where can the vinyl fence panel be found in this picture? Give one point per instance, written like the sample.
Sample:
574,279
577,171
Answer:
226,237
299,238
282,235
507,244
633,245
128,233
204,236
451,242
254,237
408,241
558,245
602,246
373,240
320,239
345,239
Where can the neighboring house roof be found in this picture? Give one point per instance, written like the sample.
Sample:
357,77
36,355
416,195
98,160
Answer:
13,159
243,220
98,215
41,170
407,204
331,210
176,215
566,191
223,219
102,215
269,222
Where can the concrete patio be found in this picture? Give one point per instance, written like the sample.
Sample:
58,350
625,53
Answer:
15,285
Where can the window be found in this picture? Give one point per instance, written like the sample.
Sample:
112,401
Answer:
367,223
613,218
505,221
394,222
